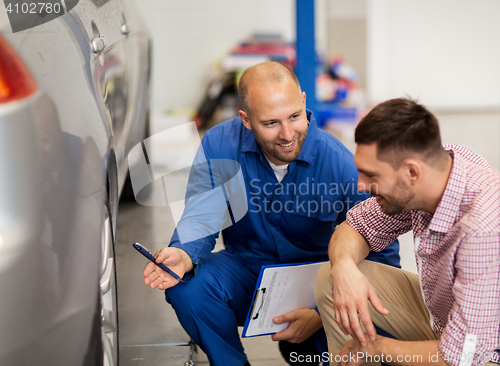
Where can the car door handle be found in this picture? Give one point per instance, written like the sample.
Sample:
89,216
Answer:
125,29
98,44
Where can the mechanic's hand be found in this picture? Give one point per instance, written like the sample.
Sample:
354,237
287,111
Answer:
303,324
174,258
351,292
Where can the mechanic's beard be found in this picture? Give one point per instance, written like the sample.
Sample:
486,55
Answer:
270,148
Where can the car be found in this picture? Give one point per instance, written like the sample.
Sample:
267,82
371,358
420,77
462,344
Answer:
74,100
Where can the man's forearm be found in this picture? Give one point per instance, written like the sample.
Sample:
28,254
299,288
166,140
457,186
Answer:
403,353
346,244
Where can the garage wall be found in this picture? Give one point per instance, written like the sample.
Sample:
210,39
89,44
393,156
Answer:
446,52
346,34
189,35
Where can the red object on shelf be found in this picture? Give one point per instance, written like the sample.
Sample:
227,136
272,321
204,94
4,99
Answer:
284,53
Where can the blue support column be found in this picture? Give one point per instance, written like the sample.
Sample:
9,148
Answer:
306,51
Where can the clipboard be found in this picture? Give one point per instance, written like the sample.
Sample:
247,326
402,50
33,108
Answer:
280,289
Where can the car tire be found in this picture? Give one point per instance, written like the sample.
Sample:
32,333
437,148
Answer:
94,356
103,345
108,294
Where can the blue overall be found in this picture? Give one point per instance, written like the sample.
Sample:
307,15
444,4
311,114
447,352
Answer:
287,222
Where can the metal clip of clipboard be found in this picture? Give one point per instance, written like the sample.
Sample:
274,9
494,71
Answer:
257,303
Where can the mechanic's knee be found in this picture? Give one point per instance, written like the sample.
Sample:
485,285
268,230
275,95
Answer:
178,291
194,293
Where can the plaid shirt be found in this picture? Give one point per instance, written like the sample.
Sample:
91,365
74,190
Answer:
458,255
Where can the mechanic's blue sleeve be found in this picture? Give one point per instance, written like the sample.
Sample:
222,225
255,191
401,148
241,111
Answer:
214,184
198,250
198,227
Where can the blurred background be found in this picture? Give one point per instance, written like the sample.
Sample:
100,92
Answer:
443,53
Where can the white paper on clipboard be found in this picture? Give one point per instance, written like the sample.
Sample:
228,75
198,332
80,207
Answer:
280,289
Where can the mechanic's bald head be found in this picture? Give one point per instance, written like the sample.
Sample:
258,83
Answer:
260,76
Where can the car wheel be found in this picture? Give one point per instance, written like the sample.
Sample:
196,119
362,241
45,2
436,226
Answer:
108,295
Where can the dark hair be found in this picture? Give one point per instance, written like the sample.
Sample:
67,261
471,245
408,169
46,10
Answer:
266,72
401,127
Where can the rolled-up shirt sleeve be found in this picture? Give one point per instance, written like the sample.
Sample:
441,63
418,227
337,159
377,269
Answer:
378,229
476,309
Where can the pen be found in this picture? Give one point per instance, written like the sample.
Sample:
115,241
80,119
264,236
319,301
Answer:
141,249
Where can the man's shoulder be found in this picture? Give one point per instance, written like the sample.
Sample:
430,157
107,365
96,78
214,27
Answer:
481,199
469,157
330,147
225,139
479,175
330,141
481,202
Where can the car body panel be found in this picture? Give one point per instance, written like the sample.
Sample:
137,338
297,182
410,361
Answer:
58,150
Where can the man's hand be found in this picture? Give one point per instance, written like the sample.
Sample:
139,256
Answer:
391,351
351,292
303,324
352,349
174,258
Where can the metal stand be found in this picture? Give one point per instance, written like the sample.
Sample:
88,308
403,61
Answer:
193,348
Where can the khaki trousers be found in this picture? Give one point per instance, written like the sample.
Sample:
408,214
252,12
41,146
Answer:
399,290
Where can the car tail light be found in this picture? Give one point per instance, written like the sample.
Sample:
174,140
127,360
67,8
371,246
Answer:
16,81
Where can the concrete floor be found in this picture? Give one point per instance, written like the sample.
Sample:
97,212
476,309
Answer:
149,331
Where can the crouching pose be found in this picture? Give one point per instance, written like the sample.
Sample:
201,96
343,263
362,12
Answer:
450,198
277,186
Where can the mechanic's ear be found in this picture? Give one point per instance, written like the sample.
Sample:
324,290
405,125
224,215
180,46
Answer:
245,119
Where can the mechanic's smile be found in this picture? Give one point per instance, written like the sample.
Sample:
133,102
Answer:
288,146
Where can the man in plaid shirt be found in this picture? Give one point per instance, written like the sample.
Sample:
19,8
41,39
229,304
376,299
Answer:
450,197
